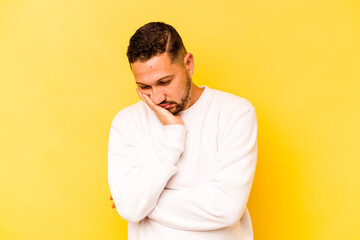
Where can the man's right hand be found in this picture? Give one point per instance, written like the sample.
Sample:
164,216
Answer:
165,117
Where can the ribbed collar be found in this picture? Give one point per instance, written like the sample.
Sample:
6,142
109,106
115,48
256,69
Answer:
196,105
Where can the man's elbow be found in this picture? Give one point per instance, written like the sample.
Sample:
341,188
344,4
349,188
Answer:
132,209
232,214
131,214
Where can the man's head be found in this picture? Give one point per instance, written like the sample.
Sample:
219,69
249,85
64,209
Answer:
161,65
155,38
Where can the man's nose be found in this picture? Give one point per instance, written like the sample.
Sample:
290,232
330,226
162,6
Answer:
157,96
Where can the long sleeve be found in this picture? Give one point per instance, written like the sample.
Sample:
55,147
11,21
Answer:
222,200
137,174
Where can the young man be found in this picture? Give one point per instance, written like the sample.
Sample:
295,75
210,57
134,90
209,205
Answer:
181,162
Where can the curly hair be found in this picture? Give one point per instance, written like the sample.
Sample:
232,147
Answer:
155,38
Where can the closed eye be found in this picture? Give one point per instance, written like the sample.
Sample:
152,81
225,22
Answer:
163,83
144,87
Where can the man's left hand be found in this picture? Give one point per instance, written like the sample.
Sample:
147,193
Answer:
113,204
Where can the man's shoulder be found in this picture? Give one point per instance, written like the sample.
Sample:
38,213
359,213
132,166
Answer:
129,113
233,111
231,102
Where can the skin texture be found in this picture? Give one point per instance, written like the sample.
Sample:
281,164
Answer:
166,87
167,84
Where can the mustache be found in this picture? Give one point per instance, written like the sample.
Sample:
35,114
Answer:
168,102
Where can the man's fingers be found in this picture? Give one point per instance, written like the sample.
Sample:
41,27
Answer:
113,204
141,95
165,116
146,99
150,103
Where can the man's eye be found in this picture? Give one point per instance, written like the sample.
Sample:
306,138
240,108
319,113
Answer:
141,87
164,83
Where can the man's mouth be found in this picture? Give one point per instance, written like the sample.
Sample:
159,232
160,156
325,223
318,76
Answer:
166,106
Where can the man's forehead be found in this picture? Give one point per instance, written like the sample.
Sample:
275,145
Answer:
150,71
159,60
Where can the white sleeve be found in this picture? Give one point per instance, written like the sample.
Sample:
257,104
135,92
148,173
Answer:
222,201
137,176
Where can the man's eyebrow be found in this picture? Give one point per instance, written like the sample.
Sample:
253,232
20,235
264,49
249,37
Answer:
159,80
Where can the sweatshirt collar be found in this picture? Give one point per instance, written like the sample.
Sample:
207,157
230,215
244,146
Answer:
197,103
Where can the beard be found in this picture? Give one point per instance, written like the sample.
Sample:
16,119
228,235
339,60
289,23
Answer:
178,107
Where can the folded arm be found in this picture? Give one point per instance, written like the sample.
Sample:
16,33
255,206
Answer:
222,200
138,174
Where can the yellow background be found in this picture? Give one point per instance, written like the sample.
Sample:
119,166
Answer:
64,75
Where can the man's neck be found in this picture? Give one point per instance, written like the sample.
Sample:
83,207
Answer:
195,94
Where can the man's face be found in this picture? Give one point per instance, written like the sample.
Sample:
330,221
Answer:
167,84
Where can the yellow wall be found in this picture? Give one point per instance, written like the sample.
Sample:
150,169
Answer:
64,75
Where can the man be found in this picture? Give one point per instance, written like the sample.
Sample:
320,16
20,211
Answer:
181,161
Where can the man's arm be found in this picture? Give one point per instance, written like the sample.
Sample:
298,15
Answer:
137,177
222,201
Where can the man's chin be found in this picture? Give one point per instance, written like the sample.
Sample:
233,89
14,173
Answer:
175,110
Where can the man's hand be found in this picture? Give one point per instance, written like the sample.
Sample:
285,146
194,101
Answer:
165,117
113,204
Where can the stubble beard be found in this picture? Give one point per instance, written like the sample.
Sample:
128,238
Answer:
186,98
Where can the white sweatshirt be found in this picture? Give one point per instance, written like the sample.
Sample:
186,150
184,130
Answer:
185,182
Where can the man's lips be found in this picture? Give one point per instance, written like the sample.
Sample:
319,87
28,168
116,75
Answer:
166,106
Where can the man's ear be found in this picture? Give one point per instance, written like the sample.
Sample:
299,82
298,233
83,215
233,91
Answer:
189,63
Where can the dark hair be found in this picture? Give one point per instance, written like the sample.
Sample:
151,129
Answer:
152,39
